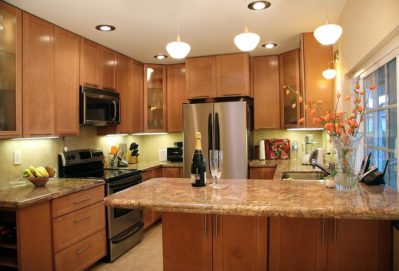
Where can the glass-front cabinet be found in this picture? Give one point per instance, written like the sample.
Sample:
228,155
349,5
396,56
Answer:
154,98
10,71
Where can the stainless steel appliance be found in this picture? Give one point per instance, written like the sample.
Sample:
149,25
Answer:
99,107
225,126
124,226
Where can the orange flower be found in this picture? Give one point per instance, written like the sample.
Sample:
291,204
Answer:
316,120
329,127
313,112
293,106
347,98
359,109
301,121
373,87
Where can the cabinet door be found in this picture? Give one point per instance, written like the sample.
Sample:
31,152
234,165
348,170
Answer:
314,60
240,243
232,75
155,98
187,242
360,245
108,68
261,173
297,244
289,76
90,64
266,92
201,77
176,95
138,97
66,82
171,172
38,76
124,85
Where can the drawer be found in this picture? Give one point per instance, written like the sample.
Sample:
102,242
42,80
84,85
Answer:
75,201
262,173
146,175
171,172
153,173
73,227
82,254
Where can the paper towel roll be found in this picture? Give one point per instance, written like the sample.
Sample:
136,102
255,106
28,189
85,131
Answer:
262,150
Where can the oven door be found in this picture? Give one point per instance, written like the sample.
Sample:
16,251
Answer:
121,219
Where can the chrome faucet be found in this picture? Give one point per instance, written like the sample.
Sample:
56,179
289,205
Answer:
331,166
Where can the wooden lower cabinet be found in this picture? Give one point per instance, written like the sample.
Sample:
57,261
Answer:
172,172
329,244
210,242
262,172
150,217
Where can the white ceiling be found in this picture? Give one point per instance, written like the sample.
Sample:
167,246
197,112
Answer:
144,27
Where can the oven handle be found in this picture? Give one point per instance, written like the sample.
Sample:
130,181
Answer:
127,234
132,180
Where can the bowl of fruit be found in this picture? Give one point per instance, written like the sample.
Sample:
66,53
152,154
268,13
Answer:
39,176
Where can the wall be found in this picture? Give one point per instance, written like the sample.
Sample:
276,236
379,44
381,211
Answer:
44,151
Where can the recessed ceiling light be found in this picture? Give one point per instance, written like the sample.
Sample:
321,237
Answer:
269,45
259,5
160,57
105,27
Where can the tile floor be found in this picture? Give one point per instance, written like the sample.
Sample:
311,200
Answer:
146,256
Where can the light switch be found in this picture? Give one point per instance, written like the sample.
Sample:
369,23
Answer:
17,157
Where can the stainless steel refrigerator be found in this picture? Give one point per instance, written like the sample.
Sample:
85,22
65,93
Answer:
225,126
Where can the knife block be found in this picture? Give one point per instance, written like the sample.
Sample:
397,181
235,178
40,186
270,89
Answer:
133,159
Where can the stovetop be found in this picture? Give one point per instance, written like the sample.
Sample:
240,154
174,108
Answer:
112,174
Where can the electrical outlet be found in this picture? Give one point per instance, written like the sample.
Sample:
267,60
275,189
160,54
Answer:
17,157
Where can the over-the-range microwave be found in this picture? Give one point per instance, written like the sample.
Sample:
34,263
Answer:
99,107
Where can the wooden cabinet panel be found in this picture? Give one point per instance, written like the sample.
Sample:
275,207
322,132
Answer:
360,245
84,253
11,72
261,173
171,172
240,243
187,242
138,97
314,60
297,244
71,228
176,95
289,76
266,92
201,77
150,217
108,68
69,203
124,85
38,75
66,82
90,63
232,73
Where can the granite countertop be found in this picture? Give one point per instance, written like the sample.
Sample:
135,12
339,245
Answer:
262,197
148,165
22,193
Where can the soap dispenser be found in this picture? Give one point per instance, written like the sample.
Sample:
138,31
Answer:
261,147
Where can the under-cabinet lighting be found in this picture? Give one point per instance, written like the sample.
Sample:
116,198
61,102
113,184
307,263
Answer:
304,129
35,138
157,133
111,135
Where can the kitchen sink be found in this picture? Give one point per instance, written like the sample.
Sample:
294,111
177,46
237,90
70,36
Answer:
304,175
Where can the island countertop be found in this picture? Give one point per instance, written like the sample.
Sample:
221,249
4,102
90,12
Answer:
261,197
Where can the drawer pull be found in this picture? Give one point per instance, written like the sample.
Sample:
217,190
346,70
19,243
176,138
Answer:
81,201
83,249
81,219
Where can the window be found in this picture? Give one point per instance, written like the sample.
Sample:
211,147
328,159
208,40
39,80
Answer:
381,116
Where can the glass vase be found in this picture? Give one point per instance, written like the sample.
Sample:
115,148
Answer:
346,147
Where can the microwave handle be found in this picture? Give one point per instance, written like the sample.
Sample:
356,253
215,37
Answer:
115,109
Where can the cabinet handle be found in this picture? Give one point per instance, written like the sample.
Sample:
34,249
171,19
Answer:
81,201
91,85
83,249
205,226
232,94
81,219
322,232
335,231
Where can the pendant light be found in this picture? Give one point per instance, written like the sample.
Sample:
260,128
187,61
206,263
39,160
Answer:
328,34
330,72
178,49
246,41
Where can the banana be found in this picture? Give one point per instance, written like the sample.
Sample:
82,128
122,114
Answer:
42,172
27,173
33,171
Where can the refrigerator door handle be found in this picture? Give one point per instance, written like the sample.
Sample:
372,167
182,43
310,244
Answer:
217,132
210,129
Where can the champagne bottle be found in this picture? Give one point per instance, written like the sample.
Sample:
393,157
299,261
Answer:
198,166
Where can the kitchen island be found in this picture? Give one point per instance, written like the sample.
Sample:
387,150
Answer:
269,224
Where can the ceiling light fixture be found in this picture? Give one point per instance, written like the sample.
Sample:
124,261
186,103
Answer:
105,27
328,34
269,45
160,57
330,72
259,5
246,41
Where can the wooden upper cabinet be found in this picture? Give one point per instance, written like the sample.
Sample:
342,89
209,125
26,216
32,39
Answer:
66,82
289,76
108,68
11,72
90,64
138,97
124,85
314,60
176,95
232,73
266,92
201,77
38,76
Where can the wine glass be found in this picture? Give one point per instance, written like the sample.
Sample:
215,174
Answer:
213,164
219,166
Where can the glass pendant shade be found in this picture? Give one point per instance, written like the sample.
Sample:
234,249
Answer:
246,41
178,49
329,74
328,34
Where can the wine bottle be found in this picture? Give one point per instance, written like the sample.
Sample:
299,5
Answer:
198,166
